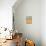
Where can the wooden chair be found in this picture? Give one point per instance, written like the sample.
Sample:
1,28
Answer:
29,43
18,37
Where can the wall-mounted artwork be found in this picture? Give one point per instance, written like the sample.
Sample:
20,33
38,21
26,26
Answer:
28,19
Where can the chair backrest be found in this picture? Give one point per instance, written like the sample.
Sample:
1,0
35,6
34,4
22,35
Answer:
29,43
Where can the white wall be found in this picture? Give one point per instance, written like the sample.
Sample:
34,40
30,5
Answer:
43,22
29,8
6,13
